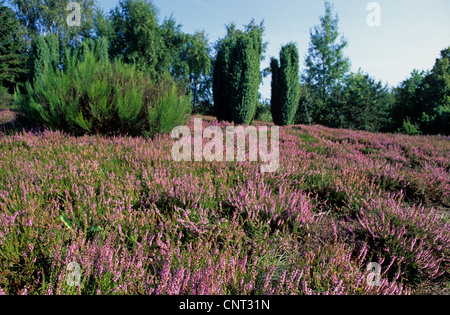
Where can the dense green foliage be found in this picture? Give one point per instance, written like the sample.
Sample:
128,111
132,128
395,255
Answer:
407,101
102,195
94,96
224,79
326,67
137,36
264,112
40,17
194,65
45,55
156,49
333,97
237,77
102,24
362,104
285,85
275,85
220,80
423,100
12,58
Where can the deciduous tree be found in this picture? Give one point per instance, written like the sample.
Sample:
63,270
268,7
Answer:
326,66
43,17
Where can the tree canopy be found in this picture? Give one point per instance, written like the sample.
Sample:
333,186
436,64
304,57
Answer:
237,75
325,65
12,50
43,17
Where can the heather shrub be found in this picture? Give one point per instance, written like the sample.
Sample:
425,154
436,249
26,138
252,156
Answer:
335,269
139,223
410,242
93,96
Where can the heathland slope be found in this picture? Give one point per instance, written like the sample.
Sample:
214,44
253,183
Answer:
137,222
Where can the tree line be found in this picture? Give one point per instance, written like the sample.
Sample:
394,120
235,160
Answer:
220,78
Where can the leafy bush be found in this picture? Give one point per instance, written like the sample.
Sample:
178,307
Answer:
424,99
263,113
93,96
438,122
410,129
362,103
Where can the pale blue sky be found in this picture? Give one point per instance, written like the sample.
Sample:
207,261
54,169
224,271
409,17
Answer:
411,35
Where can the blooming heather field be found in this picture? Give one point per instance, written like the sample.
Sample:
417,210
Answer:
137,222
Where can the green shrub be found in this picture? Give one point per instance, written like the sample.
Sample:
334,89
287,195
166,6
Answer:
263,113
410,129
244,80
285,85
220,80
6,99
45,55
171,110
93,96
236,76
